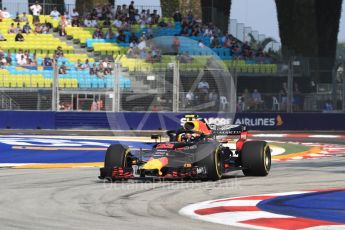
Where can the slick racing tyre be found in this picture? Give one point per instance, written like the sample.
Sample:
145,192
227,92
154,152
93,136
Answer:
256,158
213,165
116,156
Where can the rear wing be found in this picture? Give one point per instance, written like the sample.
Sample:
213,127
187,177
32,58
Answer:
228,129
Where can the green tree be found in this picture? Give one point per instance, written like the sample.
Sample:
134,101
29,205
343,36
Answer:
169,7
217,12
84,6
309,28
256,44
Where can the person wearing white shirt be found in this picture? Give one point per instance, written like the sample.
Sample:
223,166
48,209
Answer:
22,60
36,11
55,14
19,55
93,23
75,18
87,22
5,13
117,23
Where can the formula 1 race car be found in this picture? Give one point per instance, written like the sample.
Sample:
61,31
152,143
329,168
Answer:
195,151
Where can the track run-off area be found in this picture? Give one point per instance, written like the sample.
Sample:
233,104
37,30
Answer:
50,182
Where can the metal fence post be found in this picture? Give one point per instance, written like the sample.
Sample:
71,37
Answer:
290,87
343,73
176,87
116,88
334,86
54,87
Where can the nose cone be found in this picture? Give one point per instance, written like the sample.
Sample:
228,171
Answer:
156,164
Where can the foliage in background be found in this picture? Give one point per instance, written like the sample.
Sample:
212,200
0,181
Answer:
169,7
309,28
84,6
257,44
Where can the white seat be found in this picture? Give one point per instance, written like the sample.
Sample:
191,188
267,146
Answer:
275,104
223,102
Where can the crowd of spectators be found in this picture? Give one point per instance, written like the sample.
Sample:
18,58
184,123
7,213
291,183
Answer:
250,101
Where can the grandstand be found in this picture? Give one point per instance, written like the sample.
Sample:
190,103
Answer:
200,53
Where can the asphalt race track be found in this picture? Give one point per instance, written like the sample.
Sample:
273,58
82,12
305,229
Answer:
74,198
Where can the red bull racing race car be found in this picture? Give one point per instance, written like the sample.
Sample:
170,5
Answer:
195,151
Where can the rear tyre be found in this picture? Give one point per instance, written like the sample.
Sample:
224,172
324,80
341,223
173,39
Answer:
213,165
116,156
256,158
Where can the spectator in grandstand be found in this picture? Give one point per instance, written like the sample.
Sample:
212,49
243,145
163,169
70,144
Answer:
12,29
121,38
93,69
246,100
5,13
19,54
31,61
297,97
23,18
55,14
117,23
36,11
133,38
110,34
162,23
203,88
59,52
100,71
328,107
214,42
75,18
22,61
19,37
177,16
106,66
86,65
283,96
17,18
2,54
38,28
45,28
98,34
131,12
257,100
130,53
107,22
63,68
155,18
107,11
176,45
78,65
62,25
27,28
90,22
2,38
9,58
47,62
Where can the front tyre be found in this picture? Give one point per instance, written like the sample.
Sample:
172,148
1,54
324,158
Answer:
256,158
213,165
116,156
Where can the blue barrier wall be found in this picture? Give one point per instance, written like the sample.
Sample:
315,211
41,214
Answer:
154,121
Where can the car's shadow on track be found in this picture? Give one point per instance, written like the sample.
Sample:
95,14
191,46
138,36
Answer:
165,180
